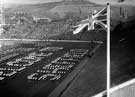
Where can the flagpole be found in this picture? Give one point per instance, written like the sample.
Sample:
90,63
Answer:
108,49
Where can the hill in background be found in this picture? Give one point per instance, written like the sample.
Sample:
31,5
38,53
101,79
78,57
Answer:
69,8
56,9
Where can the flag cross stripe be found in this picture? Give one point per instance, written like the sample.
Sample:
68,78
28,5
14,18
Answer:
103,17
99,18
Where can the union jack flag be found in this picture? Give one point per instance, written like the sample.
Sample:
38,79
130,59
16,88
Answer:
99,18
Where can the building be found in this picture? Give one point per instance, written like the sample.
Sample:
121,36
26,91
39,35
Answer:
41,19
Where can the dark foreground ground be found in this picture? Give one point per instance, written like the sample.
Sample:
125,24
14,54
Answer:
92,78
123,53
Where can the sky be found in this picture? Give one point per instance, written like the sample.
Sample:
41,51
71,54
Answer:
126,2
28,1
132,2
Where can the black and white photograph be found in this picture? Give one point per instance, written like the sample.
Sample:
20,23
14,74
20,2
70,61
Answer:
67,48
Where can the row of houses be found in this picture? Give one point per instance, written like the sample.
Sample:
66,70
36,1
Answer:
20,17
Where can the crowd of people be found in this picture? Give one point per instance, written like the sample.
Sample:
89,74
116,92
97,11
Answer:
59,67
18,64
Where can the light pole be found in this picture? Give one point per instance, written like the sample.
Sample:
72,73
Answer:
121,10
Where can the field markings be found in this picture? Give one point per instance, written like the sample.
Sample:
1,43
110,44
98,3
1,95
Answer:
116,88
125,84
51,40
100,94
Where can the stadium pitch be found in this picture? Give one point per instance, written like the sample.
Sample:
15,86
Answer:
41,67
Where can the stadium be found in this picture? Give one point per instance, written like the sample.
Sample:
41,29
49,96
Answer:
59,48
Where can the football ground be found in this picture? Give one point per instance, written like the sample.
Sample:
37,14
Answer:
43,68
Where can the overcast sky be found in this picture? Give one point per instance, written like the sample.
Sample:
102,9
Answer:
28,1
126,2
43,1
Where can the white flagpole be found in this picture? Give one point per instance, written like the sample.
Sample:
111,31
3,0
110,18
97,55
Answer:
108,49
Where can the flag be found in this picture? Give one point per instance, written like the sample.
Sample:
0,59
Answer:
99,18
80,28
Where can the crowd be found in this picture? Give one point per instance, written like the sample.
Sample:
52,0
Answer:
15,65
59,67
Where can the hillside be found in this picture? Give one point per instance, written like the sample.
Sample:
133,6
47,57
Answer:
62,10
50,9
